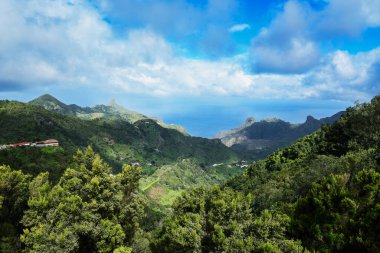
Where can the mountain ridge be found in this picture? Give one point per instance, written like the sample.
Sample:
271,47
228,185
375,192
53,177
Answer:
257,139
110,111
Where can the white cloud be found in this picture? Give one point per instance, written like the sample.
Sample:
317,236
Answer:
343,66
339,75
184,76
347,17
239,28
72,45
299,56
285,46
347,77
290,44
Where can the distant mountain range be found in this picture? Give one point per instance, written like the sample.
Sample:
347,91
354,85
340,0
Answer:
112,111
119,135
255,140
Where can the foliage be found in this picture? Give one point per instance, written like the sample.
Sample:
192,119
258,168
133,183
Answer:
32,160
169,181
322,190
89,209
13,202
218,220
327,182
341,215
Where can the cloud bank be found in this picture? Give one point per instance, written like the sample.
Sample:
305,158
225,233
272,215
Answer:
291,43
66,43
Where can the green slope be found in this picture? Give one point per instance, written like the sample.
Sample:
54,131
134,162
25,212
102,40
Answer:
169,181
169,158
346,146
118,141
320,194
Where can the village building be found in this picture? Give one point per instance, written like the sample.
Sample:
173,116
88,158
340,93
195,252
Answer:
21,144
135,163
47,143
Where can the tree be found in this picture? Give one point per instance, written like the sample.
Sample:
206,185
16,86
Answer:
13,202
339,215
89,209
218,220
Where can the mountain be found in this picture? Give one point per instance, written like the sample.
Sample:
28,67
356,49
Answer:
112,111
255,140
171,161
117,140
52,104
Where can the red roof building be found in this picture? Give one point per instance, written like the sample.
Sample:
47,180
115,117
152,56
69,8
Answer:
51,141
19,144
46,143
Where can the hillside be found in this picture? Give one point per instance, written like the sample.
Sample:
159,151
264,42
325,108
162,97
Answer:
320,194
170,160
170,181
255,140
118,141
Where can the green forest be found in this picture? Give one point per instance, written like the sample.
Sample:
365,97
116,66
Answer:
320,194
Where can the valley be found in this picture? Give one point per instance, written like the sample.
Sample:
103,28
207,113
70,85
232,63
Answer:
189,126
120,137
174,182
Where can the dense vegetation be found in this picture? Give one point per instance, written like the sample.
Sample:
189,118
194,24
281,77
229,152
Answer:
320,194
88,210
221,221
32,160
170,181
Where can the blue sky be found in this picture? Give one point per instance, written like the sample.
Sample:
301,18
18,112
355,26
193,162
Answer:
206,65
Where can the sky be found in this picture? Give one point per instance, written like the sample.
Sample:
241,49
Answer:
206,64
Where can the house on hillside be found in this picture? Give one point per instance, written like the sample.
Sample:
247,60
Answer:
135,163
20,144
47,143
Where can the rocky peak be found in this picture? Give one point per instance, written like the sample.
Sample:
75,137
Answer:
113,103
310,118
